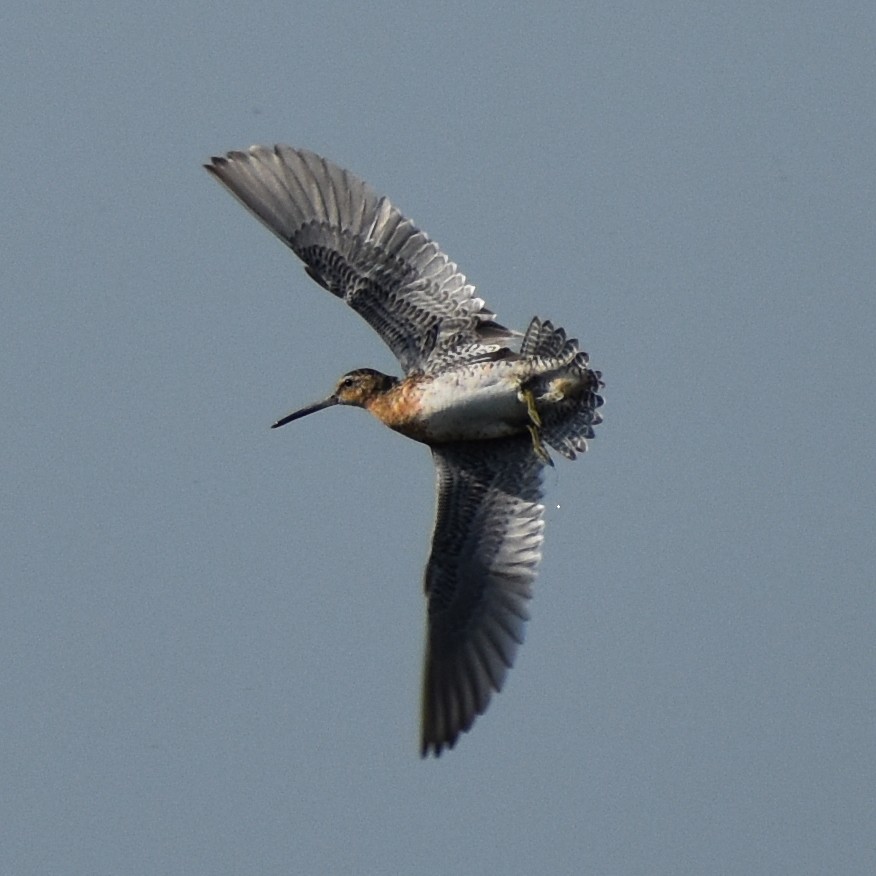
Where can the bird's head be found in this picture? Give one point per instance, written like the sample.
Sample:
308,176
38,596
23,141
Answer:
356,388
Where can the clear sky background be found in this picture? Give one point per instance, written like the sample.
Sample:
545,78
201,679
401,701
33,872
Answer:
211,633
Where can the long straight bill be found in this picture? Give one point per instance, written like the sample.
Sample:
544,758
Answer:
310,409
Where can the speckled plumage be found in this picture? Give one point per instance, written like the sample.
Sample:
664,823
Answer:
482,396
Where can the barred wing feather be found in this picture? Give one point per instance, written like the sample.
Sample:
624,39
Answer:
485,553
360,248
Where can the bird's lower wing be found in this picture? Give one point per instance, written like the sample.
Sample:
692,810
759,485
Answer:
485,552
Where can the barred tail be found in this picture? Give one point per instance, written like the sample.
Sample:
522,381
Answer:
565,388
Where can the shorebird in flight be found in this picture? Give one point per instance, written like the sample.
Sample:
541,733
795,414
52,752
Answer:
487,400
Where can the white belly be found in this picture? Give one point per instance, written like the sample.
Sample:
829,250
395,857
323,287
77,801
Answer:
466,406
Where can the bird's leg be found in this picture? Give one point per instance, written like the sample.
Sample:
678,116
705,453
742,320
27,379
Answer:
534,425
528,398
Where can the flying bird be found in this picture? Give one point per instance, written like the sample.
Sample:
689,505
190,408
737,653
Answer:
487,400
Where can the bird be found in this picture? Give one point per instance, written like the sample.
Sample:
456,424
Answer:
487,400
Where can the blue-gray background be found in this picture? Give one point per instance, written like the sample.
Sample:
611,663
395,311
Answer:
211,632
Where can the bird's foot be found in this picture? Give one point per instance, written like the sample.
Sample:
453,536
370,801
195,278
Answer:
538,445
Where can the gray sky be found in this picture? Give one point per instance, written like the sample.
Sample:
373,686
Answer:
211,633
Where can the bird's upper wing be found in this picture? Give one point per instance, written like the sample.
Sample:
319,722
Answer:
485,551
359,247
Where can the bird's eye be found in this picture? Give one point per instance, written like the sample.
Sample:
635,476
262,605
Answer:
348,383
